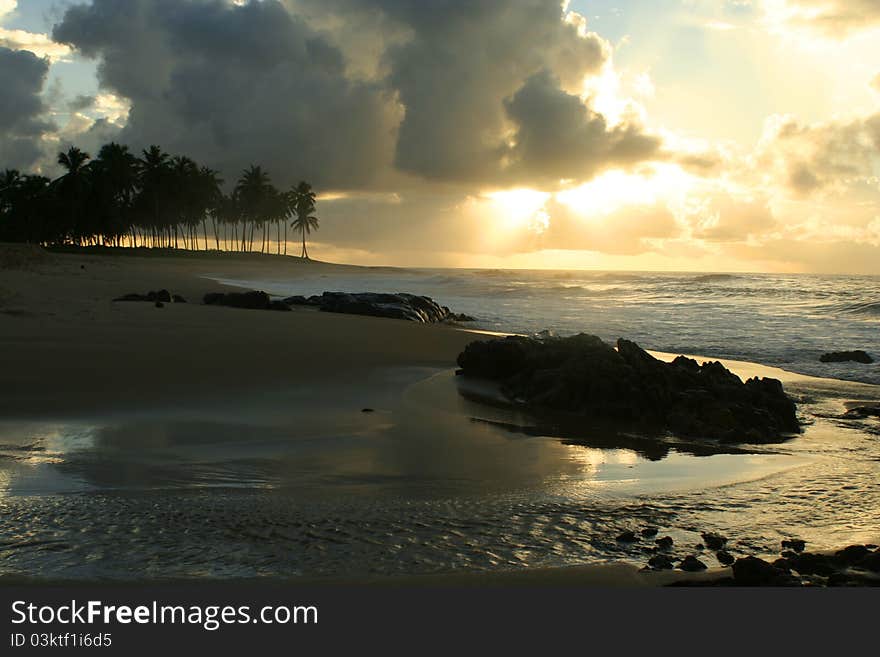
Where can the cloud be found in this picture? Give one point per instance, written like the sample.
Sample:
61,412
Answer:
834,18
22,76
808,159
559,137
355,93
231,85
726,218
39,44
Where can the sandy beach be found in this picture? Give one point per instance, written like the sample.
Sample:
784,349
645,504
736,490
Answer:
67,347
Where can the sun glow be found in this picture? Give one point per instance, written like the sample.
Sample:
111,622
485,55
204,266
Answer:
616,189
521,208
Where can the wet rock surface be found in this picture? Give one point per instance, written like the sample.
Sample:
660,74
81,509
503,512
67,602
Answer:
856,356
401,305
856,565
581,378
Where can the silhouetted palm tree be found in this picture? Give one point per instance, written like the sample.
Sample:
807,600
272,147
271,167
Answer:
304,208
253,192
72,189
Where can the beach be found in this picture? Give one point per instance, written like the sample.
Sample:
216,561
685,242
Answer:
337,447
69,347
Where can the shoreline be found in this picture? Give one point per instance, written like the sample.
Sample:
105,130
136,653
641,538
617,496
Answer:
134,358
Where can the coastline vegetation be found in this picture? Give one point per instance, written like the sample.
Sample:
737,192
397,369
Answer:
153,201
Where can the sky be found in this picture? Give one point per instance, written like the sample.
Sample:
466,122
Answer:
699,135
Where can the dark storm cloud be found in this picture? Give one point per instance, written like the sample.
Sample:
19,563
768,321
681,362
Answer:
557,136
234,85
450,85
22,76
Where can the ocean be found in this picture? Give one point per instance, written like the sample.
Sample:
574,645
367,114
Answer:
783,320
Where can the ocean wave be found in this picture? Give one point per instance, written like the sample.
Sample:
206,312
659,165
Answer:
866,309
711,278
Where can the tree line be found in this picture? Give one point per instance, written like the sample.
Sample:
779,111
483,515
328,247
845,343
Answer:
155,200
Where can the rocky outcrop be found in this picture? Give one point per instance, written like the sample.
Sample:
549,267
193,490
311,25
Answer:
404,306
857,356
583,379
248,300
161,296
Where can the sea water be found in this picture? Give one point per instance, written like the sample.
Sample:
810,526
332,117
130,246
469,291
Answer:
784,320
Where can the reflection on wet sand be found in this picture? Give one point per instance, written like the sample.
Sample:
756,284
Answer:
416,486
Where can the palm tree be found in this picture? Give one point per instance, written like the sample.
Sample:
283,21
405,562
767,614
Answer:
72,188
115,178
303,208
153,173
253,193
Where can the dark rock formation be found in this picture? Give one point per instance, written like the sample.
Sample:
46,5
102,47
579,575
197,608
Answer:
176,298
714,541
664,543
857,356
583,378
856,565
248,300
795,544
649,532
751,571
691,564
409,307
627,537
152,296
660,562
724,557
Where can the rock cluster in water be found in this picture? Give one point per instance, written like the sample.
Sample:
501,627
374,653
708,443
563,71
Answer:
856,565
395,306
857,356
582,378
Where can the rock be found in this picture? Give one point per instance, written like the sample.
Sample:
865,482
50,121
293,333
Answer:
691,564
664,543
794,544
807,563
871,562
852,555
298,301
660,562
404,306
249,300
367,410
279,305
159,304
133,296
857,356
178,299
752,571
649,532
724,557
714,541
584,377
627,537
162,296
784,565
